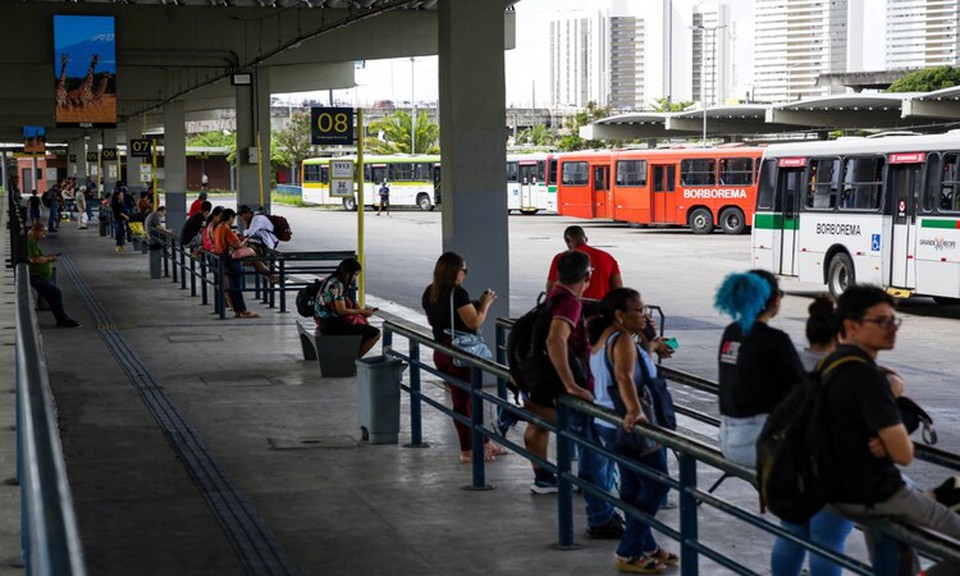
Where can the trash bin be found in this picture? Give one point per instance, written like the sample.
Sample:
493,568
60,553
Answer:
103,225
378,398
156,255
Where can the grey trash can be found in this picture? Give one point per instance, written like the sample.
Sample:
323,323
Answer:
378,398
103,225
156,255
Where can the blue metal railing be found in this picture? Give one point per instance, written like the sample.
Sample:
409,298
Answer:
50,541
691,453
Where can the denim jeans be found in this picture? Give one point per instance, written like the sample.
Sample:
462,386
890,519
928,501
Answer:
738,438
53,220
911,507
120,227
594,468
642,492
826,528
234,270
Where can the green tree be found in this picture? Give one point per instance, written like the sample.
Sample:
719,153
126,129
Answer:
538,135
572,124
665,105
293,142
391,135
927,80
216,139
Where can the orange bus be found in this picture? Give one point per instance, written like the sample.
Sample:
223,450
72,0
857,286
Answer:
699,188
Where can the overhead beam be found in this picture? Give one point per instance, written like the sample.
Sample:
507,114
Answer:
915,108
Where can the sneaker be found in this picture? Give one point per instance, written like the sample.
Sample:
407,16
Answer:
948,493
68,323
544,487
612,529
639,565
119,249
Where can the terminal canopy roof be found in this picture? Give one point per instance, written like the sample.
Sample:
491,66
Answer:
932,111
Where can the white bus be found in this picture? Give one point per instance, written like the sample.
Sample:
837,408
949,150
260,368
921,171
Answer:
413,181
531,183
883,211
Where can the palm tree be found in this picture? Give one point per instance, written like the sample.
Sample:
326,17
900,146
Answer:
538,135
391,135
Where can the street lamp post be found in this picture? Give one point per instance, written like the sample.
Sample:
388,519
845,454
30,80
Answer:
713,72
413,111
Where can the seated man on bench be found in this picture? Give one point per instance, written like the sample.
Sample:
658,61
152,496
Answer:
336,311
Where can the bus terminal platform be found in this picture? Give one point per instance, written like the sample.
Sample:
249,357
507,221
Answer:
199,446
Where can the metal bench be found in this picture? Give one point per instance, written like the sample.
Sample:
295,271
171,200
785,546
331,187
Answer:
336,355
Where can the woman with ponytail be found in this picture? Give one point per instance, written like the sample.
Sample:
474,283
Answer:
758,364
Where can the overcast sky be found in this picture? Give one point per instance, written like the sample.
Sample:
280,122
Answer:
392,79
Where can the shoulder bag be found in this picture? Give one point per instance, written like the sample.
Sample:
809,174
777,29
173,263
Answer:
628,443
469,343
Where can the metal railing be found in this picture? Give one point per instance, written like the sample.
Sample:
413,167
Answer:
49,537
206,270
691,454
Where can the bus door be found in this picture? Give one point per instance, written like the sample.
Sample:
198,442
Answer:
601,190
527,177
437,196
789,185
904,183
663,204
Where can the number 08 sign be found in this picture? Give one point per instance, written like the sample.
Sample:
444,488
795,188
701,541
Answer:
331,126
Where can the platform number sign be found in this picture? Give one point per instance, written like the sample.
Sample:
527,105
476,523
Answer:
141,148
109,154
331,126
93,157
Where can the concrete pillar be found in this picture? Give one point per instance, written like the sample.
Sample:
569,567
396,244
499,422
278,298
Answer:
175,164
134,132
472,109
253,116
111,168
81,159
93,147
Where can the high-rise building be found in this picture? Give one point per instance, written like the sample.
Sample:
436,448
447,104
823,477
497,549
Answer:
579,59
922,33
627,69
710,53
797,40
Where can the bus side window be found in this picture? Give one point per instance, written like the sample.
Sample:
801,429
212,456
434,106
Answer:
512,172
823,184
949,201
736,171
671,177
324,174
767,184
862,182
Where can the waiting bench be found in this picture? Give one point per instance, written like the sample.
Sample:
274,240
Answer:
336,355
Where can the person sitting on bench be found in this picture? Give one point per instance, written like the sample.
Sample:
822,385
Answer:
336,311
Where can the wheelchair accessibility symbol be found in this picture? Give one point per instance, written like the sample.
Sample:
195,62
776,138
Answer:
875,242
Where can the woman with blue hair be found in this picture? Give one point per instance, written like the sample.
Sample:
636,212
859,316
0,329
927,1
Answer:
758,364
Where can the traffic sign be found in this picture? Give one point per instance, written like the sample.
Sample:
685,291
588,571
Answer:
109,154
341,169
341,187
331,126
141,148
92,157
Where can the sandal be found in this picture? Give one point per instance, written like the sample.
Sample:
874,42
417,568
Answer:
467,457
640,565
494,449
246,314
664,557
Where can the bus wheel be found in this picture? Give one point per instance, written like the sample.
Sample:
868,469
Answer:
731,221
529,211
350,204
840,274
423,201
701,221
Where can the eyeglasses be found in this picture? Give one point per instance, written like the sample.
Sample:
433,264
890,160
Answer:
884,321
464,269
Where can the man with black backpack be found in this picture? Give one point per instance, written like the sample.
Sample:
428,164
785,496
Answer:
556,363
866,426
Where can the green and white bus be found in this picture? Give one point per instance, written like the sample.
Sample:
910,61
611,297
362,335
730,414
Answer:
531,182
884,211
413,181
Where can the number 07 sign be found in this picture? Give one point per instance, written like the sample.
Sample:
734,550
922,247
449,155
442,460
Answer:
331,126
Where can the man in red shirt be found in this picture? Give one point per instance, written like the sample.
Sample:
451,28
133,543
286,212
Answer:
606,271
195,206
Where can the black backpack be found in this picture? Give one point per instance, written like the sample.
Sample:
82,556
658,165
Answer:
797,469
281,228
307,298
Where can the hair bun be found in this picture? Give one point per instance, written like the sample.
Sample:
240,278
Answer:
822,307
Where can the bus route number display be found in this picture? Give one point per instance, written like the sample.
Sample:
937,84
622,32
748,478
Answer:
141,148
331,126
341,178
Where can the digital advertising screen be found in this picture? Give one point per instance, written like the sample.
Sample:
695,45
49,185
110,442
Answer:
86,70
34,140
